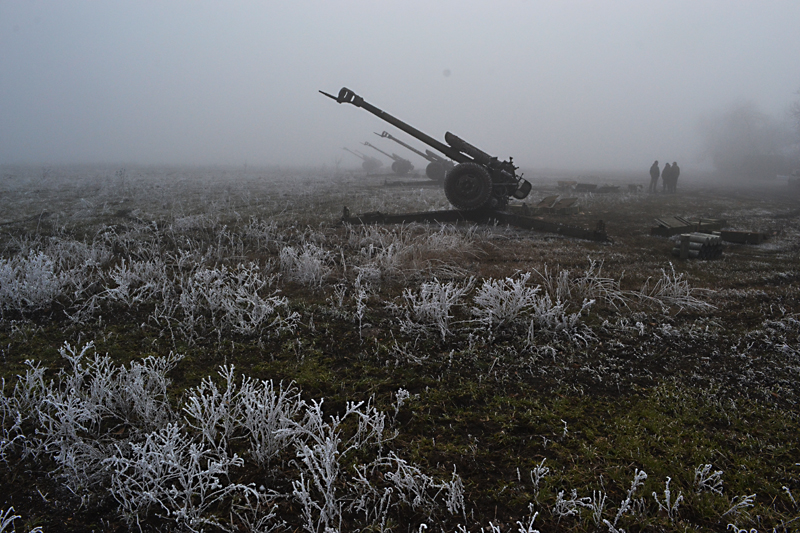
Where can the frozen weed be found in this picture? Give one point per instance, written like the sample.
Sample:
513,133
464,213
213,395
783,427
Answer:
667,505
88,407
638,480
740,504
171,472
309,265
431,307
707,481
500,302
571,506
673,291
7,518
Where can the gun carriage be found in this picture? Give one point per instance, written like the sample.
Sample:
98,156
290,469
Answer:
478,180
479,185
370,164
400,165
438,166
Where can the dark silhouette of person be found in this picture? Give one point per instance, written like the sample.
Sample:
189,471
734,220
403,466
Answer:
654,173
673,182
666,175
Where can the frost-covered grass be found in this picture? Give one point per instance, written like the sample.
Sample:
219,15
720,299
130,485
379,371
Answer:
387,377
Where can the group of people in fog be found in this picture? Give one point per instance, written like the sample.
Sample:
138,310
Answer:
669,177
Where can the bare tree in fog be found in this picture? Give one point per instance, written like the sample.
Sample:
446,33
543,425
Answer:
794,114
743,141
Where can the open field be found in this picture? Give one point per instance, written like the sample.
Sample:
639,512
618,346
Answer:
510,380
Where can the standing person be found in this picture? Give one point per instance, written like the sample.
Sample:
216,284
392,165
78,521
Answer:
673,183
654,173
666,175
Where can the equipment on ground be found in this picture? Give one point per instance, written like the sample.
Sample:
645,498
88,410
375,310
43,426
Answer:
370,164
437,168
478,182
400,165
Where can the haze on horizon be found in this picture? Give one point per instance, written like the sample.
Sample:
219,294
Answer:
574,84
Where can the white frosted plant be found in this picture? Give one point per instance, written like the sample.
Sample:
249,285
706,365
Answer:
254,410
178,477
405,485
672,290
430,308
667,505
309,265
7,519
500,302
237,300
29,282
321,491
592,285
267,412
553,318
627,505
707,481
88,407
136,282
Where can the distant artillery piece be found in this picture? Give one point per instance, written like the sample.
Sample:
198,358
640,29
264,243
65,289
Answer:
437,168
370,164
400,165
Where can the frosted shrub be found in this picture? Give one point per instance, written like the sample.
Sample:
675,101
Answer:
553,319
7,521
395,251
407,485
137,282
430,308
569,506
256,411
29,282
707,481
319,448
500,302
180,478
233,301
592,285
267,412
78,415
673,291
309,266
10,424
626,506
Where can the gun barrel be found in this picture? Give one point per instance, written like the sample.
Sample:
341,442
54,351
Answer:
387,135
346,96
392,157
355,154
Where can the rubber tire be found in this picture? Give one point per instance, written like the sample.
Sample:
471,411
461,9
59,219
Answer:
436,172
468,186
401,168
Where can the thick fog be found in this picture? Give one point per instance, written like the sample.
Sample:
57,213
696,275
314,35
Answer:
571,85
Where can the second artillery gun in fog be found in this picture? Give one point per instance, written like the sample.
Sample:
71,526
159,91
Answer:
437,168
400,165
478,181
370,164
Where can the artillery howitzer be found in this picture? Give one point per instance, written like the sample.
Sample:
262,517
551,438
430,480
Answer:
479,186
478,181
370,164
400,165
437,168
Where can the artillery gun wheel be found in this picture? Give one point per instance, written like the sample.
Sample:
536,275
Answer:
468,186
435,171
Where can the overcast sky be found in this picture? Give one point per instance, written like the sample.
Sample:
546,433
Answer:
567,84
